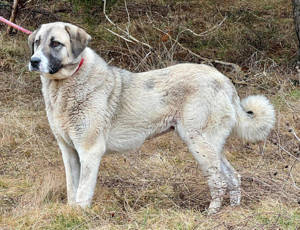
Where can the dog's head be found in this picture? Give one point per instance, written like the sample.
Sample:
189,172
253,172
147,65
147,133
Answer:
56,48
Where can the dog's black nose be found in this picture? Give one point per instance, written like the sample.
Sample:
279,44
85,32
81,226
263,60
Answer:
35,62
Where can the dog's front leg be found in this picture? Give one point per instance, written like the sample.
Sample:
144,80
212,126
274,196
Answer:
90,157
72,169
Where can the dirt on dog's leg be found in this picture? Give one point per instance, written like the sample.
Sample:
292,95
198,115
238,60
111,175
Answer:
209,159
233,180
210,163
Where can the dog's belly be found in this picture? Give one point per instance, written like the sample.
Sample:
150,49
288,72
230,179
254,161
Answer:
127,136
124,139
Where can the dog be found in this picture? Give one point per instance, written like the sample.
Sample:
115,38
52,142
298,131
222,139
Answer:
94,108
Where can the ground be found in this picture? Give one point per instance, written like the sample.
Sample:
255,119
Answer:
159,186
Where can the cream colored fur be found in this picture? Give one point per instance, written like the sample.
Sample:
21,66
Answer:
257,126
102,108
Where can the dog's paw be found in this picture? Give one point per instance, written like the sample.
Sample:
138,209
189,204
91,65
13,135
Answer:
235,198
83,204
212,211
214,206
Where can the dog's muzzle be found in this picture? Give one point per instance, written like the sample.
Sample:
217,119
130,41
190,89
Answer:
35,63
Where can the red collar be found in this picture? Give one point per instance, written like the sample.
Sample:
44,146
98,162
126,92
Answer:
78,67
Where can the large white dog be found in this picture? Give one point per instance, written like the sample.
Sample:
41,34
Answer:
94,108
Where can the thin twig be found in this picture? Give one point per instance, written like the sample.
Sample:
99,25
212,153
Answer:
207,60
292,177
128,16
130,37
295,135
143,60
205,33
283,149
118,35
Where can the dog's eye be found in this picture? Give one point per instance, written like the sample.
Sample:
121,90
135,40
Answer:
55,44
37,42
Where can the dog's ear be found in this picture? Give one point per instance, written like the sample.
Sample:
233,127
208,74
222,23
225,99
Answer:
79,39
31,39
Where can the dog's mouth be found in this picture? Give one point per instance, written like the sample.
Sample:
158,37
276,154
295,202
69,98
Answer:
54,69
31,68
51,69
34,68
37,68
51,66
54,64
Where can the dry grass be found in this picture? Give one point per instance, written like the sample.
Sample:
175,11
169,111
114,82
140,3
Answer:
159,186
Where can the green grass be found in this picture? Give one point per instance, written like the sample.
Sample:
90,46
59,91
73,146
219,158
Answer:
291,95
295,94
63,222
286,220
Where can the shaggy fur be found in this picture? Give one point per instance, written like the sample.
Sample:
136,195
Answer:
101,108
259,120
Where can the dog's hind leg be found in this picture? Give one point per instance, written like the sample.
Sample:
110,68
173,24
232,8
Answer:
72,169
208,154
233,181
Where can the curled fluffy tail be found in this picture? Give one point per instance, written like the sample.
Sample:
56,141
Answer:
255,118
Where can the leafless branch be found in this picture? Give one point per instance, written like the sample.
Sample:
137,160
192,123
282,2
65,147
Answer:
130,37
125,35
143,60
205,33
283,149
295,135
118,35
292,177
207,60
128,16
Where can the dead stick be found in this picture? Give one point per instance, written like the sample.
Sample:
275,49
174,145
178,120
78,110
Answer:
13,15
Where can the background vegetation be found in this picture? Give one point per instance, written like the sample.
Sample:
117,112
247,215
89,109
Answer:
159,186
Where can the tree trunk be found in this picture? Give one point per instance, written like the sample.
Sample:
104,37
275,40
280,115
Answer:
296,8
13,15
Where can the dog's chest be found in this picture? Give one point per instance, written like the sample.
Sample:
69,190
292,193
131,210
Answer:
74,110
66,109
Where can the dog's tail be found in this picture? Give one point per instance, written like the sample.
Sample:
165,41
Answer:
255,118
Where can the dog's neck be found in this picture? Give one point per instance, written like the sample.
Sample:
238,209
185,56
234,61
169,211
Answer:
68,70
79,66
